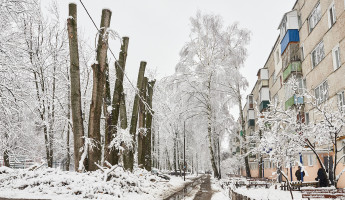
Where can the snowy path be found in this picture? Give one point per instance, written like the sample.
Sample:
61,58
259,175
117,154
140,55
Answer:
200,189
205,192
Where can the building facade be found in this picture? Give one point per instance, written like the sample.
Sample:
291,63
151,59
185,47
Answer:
310,48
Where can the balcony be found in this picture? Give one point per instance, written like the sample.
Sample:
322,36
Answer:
263,105
251,117
294,100
294,67
263,83
291,54
291,35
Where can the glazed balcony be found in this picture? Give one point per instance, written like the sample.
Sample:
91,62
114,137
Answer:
294,100
293,68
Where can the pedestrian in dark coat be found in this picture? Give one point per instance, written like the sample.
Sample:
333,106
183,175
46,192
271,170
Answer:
298,174
322,178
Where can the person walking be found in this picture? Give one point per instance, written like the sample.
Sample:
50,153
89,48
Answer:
322,178
299,175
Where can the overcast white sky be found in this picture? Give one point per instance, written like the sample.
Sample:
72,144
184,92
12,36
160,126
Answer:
159,28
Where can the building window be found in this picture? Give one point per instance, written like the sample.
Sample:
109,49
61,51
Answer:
306,118
310,159
317,54
302,85
314,17
331,15
283,28
321,92
274,77
302,52
336,57
299,21
341,100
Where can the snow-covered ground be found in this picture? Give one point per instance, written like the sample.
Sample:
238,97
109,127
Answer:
270,193
52,183
219,192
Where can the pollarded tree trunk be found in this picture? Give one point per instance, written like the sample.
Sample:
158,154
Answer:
111,154
97,92
106,112
142,119
124,126
134,119
77,119
147,137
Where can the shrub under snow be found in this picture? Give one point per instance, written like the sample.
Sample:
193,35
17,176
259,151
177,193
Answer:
53,183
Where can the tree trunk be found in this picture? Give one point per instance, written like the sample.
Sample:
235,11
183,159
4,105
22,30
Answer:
68,153
134,119
77,119
147,138
6,158
142,119
220,174
175,152
107,114
124,126
99,69
213,160
158,149
112,154
246,160
260,161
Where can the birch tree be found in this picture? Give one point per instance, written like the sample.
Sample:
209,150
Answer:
213,50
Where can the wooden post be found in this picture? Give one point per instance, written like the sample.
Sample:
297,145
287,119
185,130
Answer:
111,154
147,139
134,120
77,119
141,121
99,69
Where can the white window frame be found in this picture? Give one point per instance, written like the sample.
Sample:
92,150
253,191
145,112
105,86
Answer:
341,100
336,57
277,56
321,91
302,52
310,159
320,54
314,15
331,19
307,118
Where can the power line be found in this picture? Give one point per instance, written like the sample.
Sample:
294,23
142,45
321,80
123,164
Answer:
117,62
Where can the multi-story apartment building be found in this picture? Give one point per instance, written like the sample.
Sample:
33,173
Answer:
310,46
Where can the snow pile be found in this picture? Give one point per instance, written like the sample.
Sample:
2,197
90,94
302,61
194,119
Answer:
56,184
